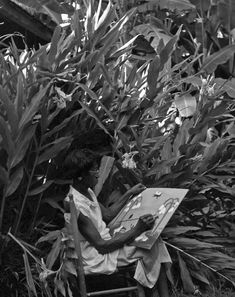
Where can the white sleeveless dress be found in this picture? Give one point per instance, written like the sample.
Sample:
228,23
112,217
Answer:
148,261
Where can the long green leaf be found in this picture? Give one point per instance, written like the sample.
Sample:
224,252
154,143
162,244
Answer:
176,5
29,276
94,116
54,44
229,87
54,253
59,285
22,144
51,236
192,243
19,101
62,125
104,171
103,24
153,73
213,61
3,175
95,97
33,107
9,106
53,151
14,181
185,276
113,33
6,141
41,189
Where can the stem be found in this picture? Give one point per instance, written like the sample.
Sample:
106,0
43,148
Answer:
230,37
27,191
27,251
38,204
203,31
199,261
2,210
76,237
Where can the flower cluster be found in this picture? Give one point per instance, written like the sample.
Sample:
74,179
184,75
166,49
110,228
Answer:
45,272
207,87
128,160
61,98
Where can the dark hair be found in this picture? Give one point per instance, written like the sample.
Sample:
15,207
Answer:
79,162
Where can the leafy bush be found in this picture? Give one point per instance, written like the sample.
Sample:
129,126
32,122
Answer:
166,107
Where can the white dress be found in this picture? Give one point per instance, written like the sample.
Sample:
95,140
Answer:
148,261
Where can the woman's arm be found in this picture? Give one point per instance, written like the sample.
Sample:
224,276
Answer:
89,231
109,213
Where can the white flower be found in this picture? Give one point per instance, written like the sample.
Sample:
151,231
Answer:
128,161
207,88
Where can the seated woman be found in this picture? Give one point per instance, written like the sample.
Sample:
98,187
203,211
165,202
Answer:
102,252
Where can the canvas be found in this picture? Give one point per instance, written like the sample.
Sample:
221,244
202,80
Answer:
160,202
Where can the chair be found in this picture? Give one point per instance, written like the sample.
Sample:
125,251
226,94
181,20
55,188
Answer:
85,282
119,283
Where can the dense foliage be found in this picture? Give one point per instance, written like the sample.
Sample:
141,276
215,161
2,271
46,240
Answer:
150,86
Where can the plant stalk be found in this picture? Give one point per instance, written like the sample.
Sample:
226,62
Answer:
202,263
2,210
26,192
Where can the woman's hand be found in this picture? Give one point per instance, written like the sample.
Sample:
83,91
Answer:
145,222
136,189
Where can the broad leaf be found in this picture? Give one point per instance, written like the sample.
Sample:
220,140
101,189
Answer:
12,116
3,175
54,253
229,87
185,276
33,107
226,12
22,144
69,267
40,189
19,101
103,23
29,276
152,34
66,121
59,285
14,181
174,231
93,115
186,105
152,77
52,152
191,243
6,141
51,236
178,5
104,171
53,203
54,44
222,56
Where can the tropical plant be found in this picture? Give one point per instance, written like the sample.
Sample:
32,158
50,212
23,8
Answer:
163,100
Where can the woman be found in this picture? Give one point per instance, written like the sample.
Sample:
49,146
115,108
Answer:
101,252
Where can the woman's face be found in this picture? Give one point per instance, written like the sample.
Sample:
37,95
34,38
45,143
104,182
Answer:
92,176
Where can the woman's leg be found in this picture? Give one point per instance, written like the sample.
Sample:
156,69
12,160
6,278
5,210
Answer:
161,287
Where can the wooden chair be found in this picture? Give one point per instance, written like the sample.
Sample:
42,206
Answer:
85,282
